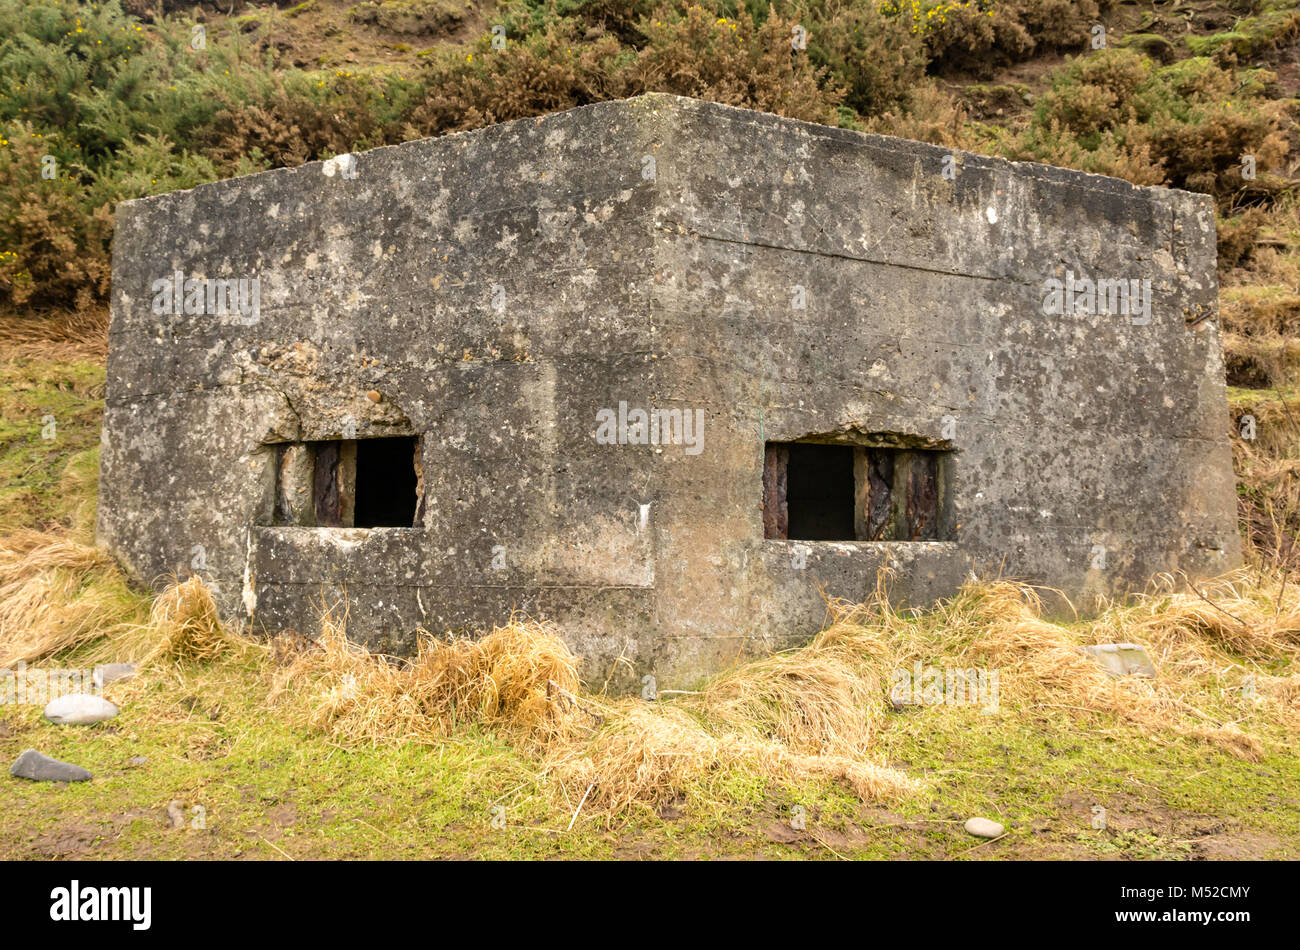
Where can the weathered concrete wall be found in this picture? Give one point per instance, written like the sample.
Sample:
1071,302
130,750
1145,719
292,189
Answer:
496,289
923,299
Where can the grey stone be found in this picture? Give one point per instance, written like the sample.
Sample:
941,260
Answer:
790,282
1122,659
136,760
113,672
41,768
984,828
79,709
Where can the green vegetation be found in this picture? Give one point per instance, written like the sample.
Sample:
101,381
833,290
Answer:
49,442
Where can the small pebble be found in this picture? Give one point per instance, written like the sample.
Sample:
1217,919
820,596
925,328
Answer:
984,828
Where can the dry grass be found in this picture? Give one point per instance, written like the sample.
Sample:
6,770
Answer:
516,676
68,336
647,754
1268,474
184,624
810,713
1256,618
807,713
57,594
789,717
813,712
1207,648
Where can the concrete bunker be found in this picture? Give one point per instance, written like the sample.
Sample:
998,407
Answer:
667,373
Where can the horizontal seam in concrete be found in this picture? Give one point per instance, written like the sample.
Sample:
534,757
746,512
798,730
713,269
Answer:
842,256
1033,285
1008,346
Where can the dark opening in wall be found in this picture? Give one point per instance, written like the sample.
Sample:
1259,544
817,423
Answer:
361,483
819,492
386,483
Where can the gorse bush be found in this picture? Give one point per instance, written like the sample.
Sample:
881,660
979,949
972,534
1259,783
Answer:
546,70
1187,125
53,235
978,35
93,104
874,55
288,119
738,61
98,106
734,60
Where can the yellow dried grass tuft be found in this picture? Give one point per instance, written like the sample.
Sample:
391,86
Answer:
66,336
184,624
1204,642
808,713
57,594
648,754
513,677
813,712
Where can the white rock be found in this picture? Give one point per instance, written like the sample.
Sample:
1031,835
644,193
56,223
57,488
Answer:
79,709
983,828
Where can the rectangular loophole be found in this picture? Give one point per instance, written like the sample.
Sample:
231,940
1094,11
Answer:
821,492
348,483
386,483
819,498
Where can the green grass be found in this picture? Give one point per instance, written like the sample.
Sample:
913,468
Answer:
34,470
269,790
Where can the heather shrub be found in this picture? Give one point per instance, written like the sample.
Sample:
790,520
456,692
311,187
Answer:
1237,236
414,17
